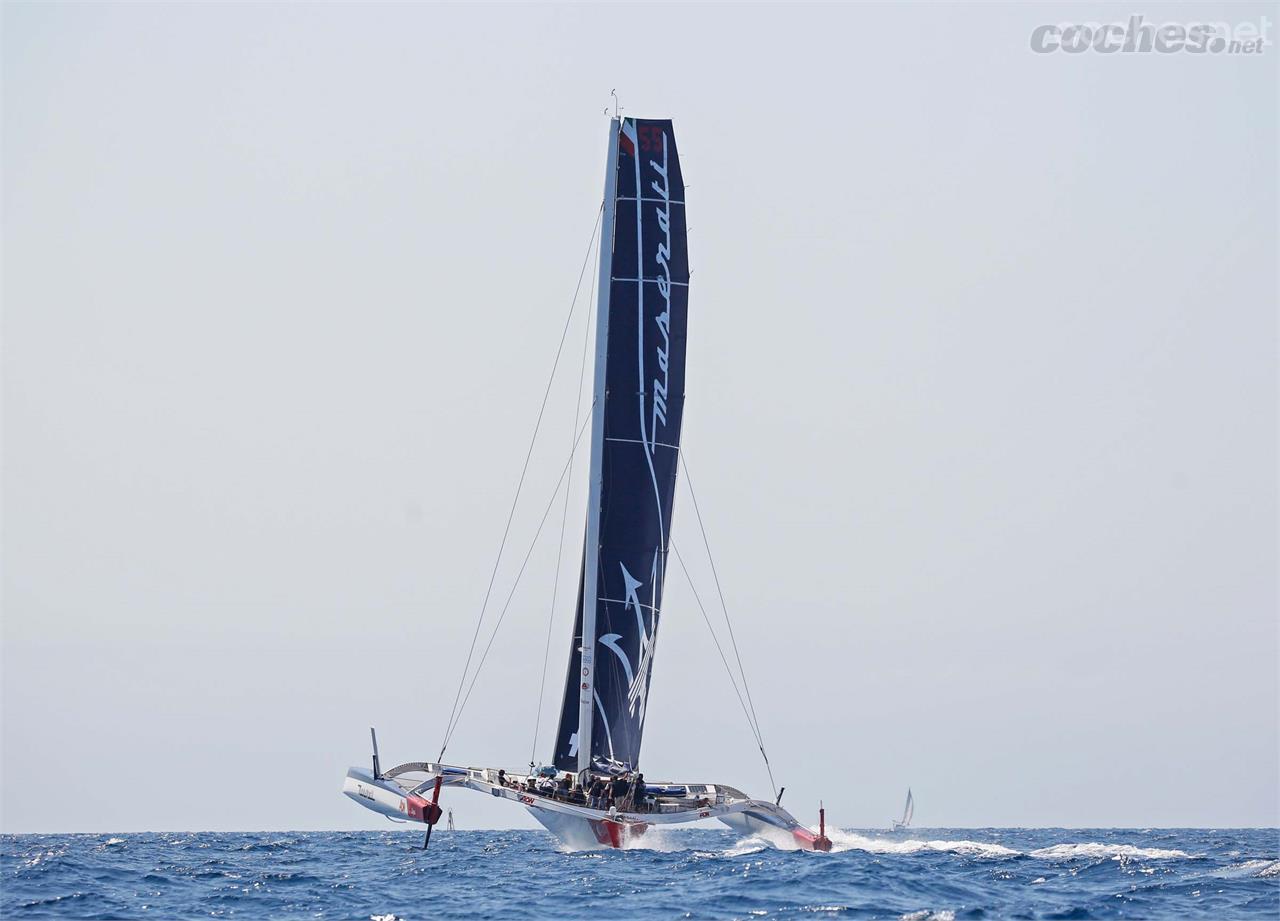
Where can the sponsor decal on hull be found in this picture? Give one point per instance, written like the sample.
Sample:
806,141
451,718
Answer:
616,834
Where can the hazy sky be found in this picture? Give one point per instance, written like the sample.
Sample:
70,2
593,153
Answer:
981,404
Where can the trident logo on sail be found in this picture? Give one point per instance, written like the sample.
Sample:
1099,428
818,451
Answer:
637,678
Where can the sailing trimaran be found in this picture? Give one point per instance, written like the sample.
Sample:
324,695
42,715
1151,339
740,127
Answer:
642,308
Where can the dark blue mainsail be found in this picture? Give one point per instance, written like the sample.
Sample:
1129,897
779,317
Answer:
646,313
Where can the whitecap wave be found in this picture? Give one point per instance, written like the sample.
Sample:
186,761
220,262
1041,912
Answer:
928,915
42,856
1094,850
1262,868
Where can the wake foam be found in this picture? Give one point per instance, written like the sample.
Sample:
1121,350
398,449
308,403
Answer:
845,840
752,845
661,840
852,841
1098,851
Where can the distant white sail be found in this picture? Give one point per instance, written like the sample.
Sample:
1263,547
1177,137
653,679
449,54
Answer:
908,810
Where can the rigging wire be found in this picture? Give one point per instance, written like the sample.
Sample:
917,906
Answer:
753,718
520,485
532,544
564,518
720,649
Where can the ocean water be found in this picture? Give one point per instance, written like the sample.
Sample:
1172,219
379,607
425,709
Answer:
927,874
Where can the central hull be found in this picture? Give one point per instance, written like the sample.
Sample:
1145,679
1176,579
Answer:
582,833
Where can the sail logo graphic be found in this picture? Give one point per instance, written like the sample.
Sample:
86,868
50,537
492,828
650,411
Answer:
652,137
637,678
663,319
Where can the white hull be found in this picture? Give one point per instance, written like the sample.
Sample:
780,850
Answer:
373,794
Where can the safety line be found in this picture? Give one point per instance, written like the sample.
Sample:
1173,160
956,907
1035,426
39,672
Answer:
532,544
755,730
520,485
729,623
564,518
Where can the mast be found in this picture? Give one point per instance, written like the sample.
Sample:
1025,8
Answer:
591,549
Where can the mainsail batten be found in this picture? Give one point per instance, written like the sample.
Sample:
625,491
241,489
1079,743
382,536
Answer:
636,436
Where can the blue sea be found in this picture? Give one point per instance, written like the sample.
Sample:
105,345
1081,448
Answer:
926,875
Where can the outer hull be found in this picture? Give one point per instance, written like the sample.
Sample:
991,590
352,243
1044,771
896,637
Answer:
378,795
776,826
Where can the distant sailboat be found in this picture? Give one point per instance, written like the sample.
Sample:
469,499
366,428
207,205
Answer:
592,794
908,811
